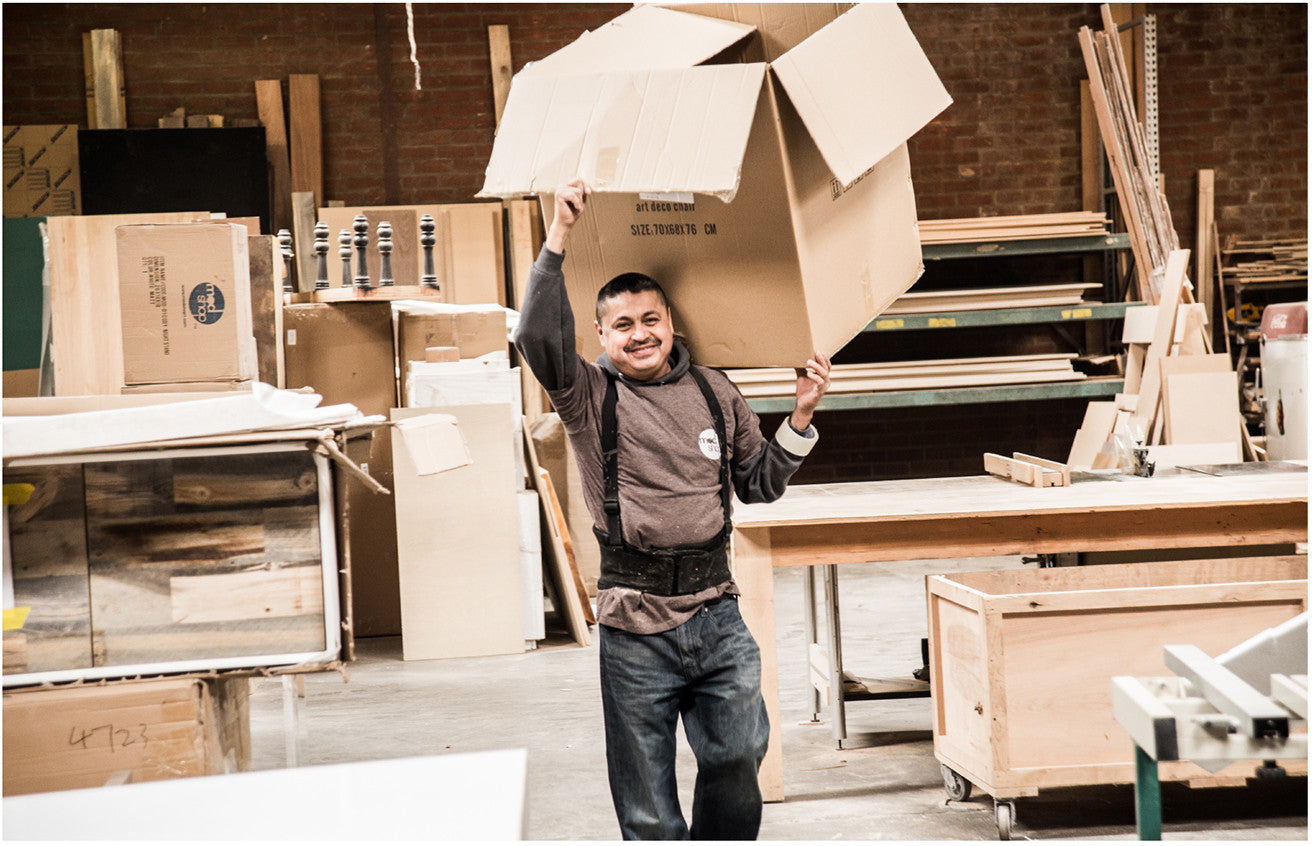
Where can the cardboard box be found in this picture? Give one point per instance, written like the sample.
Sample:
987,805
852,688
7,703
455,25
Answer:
41,172
771,198
185,295
473,330
74,737
343,351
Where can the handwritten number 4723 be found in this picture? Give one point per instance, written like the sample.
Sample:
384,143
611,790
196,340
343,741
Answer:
118,738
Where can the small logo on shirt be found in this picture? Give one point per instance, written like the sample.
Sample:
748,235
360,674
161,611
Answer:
710,444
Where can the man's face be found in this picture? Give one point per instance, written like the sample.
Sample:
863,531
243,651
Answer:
637,334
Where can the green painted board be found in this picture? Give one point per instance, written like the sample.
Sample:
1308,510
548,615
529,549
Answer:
24,261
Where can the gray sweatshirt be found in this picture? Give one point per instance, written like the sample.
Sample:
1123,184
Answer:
669,487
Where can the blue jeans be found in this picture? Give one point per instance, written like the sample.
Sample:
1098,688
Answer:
709,671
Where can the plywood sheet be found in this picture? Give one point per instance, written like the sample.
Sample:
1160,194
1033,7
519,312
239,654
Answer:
1202,408
458,548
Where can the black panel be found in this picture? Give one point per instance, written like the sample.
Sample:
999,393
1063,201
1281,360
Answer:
170,170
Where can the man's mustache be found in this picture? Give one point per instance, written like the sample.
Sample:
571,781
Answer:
642,346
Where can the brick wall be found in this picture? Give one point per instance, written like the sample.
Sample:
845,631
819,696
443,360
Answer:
1233,92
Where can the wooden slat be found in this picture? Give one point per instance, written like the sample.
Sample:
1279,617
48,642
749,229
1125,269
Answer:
561,528
268,100
110,98
89,74
251,595
498,40
306,136
1163,334
555,567
266,307
303,221
1203,246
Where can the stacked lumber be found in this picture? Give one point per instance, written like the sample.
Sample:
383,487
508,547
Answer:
1020,296
1180,400
915,375
1264,261
1018,227
1147,215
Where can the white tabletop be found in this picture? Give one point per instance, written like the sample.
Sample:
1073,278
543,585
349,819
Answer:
473,796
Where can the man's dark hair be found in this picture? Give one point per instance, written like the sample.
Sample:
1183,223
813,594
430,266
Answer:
629,283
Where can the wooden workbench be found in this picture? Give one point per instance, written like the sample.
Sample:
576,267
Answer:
977,516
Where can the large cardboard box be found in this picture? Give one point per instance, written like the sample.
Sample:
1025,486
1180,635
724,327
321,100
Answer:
771,195
41,173
345,351
74,737
185,295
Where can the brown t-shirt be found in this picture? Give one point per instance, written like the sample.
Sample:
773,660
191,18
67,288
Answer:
668,459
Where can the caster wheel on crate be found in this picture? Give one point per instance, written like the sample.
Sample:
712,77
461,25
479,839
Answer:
1006,812
958,788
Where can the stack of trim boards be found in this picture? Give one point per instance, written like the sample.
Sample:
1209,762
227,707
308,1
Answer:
1019,227
1265,261
1180,400
1020,296
915,375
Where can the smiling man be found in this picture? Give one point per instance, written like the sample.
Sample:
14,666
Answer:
662,446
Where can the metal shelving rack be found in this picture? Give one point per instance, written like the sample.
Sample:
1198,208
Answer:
1090,388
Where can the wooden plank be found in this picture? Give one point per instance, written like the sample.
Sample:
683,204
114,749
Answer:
303,221
1163,333
247,596
460,584
1202,408
1047,464
554,559
1099,417
560,530
473,254
920,383
110,96
1112,146
86,338
498,40
268,101
1203,246
266,307
306,136
89,78
753,571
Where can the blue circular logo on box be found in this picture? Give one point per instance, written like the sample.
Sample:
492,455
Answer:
206,303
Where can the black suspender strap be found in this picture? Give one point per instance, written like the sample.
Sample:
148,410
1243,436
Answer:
717,415
610,463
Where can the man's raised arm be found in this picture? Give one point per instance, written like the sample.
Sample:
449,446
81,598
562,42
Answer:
545,337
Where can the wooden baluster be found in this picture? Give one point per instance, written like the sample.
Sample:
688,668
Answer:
285,245
321,254
361,245
385,254
344,253
428,240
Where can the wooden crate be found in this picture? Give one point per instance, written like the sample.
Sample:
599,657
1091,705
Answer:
61,738
1022,660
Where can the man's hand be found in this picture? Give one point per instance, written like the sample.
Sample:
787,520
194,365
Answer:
812,383
570,199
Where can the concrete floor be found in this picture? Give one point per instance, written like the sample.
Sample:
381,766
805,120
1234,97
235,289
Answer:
885,786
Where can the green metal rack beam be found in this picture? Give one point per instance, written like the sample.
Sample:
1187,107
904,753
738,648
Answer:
998,317
1026,247
1085,388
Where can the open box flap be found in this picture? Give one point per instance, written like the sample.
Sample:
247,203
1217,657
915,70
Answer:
643,38
677,130
862,86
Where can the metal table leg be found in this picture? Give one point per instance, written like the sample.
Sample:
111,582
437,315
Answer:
1147,796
